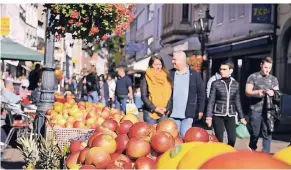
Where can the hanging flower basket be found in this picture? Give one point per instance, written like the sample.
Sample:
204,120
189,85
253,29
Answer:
196,62
89,22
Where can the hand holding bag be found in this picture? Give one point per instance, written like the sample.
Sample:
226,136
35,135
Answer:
242,131
131,108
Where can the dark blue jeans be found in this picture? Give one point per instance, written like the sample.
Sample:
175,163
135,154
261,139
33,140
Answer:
258,126
148,119
120,103
183,125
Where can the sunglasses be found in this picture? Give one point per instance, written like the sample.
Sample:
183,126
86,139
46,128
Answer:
24,87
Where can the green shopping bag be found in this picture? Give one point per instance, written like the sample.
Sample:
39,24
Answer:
242,131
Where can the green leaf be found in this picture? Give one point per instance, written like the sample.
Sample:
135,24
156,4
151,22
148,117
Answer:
83,28
83,11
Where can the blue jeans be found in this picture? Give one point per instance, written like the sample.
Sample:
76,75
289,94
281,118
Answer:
148,119
92,97
183,125
259,127
120,103
103,101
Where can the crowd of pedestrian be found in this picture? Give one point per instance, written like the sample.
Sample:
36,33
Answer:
179,95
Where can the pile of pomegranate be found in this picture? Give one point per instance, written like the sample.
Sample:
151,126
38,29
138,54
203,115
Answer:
129,144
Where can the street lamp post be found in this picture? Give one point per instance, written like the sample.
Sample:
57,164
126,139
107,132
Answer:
202,28
47,82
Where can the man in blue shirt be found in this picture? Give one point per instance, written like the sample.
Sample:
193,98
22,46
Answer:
188,98
123,89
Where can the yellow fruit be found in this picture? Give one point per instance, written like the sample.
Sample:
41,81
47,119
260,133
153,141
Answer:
284,155
201,153
58,108
75,167
131,117
67,105
171,158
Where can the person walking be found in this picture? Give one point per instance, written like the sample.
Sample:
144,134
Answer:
188,97
111,86
224,105
104,90
215,77
258,85
34,77
91,85
123,89
156,90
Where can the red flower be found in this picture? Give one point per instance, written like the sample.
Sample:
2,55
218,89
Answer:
79,24
94,30
131,5
56,11
104,37
75,14
71,21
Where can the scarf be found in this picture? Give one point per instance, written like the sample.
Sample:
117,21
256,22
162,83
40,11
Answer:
159,88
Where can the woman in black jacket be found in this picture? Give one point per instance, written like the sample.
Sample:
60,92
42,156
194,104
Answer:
224,105
156,90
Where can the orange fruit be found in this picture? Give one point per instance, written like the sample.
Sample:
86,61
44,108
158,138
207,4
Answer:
199,154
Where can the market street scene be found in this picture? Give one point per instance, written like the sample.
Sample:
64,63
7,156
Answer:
145,86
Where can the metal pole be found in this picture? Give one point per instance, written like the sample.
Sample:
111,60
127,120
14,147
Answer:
47,82
275,26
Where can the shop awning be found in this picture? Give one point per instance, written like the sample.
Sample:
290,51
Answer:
11,50
251,42
140,65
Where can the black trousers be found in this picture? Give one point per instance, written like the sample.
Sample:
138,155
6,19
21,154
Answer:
228,123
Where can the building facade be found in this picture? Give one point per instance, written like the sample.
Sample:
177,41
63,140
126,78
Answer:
178,32
143,37
243,34
23,30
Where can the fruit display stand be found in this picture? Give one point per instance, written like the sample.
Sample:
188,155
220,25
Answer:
63,136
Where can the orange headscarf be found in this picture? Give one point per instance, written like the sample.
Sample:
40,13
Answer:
159,88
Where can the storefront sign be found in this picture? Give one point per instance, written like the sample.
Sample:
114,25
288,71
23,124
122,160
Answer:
5,26
261,13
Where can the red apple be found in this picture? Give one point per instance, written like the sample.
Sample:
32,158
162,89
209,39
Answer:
76,146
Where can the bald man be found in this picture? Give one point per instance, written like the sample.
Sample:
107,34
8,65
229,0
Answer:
188,98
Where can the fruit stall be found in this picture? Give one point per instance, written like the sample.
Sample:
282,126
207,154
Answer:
93,136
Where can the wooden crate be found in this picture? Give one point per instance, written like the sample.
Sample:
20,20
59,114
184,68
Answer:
63,136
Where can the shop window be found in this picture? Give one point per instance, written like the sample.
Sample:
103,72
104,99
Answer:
220,13
232,8
241,9
185,12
